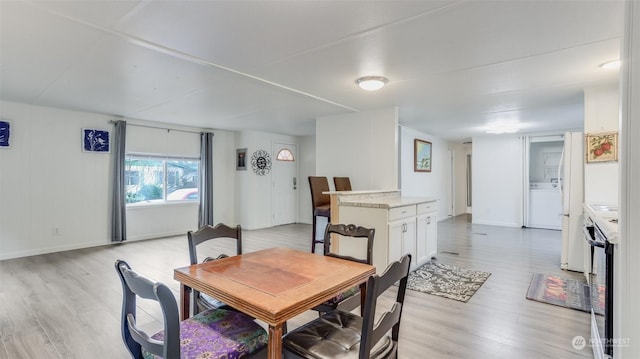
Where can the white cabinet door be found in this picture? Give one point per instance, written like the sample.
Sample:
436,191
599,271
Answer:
432,236
422,252
408,240
396,231
402,239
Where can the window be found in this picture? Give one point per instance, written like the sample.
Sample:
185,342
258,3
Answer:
285,155
151,179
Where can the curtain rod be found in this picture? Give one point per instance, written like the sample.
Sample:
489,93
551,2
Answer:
159,128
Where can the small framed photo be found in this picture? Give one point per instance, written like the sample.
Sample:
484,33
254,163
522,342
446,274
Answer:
95,140
241,159
5,134
601,147
421,156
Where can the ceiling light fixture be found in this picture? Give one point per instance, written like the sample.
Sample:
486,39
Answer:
611,65
371,83
500,127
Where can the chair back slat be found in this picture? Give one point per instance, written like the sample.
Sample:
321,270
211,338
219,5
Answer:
134,285
397,271
208,232
386,322
352,231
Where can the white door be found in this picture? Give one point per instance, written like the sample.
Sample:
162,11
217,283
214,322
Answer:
285,184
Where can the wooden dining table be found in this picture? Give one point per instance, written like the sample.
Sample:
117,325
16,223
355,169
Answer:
271,285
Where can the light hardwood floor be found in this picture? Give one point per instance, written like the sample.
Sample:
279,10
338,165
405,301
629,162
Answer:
67,305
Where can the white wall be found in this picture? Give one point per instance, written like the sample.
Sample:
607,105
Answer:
253,192
497,180
224,177
47,182
307,167
362,146
460,177
601,114
436,183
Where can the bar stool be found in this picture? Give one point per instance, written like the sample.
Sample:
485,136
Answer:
320,203
342,183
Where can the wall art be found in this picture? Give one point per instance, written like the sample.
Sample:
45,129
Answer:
241,159
261,162
95,140
5,134
602,147
421,156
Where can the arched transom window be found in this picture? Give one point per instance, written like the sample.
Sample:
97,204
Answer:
285,155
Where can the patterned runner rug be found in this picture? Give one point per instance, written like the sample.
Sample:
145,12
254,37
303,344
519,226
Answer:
564,292
445,280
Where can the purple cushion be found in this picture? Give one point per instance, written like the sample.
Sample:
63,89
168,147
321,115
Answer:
333,302
217,333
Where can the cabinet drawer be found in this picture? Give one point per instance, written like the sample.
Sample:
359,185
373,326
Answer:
402,212
426,207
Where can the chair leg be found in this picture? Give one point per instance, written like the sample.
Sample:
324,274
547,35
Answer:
313,235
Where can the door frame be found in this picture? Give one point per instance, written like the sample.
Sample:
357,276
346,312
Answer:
275,147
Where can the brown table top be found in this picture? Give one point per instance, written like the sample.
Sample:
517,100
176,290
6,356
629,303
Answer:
274,284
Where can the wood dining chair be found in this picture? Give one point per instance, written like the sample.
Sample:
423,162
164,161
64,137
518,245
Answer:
344,335
342,183
215,333
221,233
349,299
320,203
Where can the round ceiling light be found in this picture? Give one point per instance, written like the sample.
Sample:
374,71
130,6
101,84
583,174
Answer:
371,83
611,65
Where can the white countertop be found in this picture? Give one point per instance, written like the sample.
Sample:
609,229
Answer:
387,202
605,217
377,191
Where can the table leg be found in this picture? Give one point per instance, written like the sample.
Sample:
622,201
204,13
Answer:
185,300
275,341
363,297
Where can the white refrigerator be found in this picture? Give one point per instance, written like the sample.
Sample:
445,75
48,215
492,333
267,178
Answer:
571,178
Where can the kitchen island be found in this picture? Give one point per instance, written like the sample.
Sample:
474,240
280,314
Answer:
403,225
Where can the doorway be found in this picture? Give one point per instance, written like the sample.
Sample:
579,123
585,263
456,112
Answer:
284,196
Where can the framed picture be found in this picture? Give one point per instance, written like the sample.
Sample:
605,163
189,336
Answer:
5,134
602,147
241,159
421,156
95,140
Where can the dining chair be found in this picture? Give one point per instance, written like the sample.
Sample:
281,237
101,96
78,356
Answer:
320,203
201,301
342,183
347,300
216,333
341,335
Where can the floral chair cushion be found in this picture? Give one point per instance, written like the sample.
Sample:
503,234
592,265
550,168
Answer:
217,333
333,302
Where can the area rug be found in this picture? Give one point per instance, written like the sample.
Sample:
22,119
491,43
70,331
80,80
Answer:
564,292
445,280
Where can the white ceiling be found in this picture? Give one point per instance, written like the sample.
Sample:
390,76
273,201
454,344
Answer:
453,66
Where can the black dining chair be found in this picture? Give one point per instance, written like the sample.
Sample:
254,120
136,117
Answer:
349,299
222,234
344,335
215,333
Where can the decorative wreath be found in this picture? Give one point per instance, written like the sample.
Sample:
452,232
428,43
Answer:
261,162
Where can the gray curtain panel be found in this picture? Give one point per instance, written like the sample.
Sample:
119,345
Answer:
205,215
118,211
